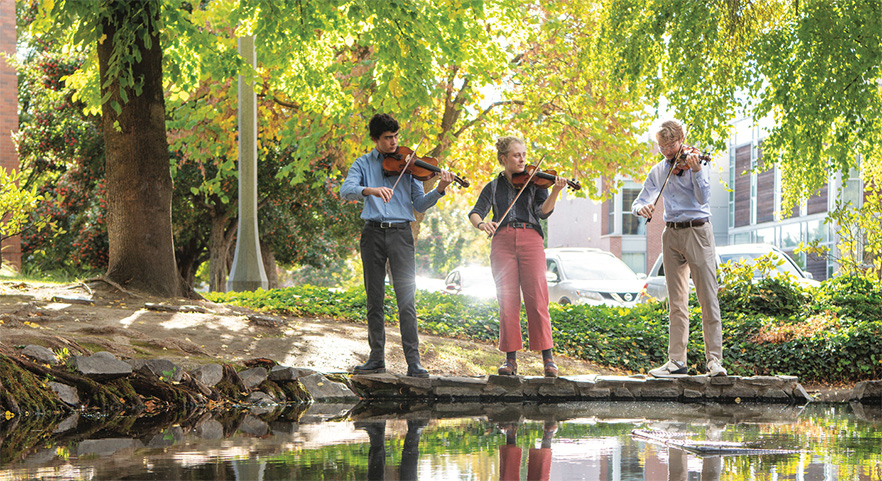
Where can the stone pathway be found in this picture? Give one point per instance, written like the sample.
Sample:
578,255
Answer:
493,388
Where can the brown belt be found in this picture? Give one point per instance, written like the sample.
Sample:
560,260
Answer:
683,225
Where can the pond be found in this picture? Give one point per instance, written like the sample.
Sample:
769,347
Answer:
584,441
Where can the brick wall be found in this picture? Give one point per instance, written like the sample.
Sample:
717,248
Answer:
8,113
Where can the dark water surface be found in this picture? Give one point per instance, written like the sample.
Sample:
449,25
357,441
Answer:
585,441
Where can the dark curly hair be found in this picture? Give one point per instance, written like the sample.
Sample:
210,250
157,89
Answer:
382,123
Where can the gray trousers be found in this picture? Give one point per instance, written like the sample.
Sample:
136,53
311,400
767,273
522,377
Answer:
396,245
684,250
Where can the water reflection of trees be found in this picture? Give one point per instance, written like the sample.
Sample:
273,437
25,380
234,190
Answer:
324,441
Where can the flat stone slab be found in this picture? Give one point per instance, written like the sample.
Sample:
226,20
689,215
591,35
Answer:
102,366
493,388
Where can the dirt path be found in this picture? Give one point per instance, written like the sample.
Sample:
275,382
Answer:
51,316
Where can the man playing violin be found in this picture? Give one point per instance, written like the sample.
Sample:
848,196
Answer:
517,257
687,246
387,236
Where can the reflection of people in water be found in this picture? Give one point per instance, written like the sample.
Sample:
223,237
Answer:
410,453
678,469
538,462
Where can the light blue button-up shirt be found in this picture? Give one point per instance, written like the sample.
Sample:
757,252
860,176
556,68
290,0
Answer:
686,196
367,171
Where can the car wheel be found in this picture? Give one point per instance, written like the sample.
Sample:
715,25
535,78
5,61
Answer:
564,301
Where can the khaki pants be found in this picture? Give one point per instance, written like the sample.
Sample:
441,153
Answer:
684,250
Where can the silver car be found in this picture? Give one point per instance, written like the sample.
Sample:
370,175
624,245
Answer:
471,280
590,276
656,288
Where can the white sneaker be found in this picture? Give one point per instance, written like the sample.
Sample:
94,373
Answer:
715,368
670,369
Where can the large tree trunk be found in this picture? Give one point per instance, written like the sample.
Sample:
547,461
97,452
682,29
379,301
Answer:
220,244
139,184
269,266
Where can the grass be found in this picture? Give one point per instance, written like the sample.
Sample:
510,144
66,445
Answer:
59,276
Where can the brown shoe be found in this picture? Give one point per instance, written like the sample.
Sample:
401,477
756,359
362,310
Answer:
508,368
550,369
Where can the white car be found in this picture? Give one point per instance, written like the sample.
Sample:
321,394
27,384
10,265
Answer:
590,276
655,287
471,280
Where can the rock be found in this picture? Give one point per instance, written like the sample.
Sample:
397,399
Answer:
101,366
267,321
869,392
260,397
254,426
69,423
253,377
284,373
73,300
323,389
107,446
210,429
40,354
320,412
157,369
167,308
209,374
66,393
168,437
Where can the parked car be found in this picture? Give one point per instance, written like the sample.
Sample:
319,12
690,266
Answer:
471,280
590,276
655,287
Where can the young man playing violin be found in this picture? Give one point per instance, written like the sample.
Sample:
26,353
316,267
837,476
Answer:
386,235
517,257
687,246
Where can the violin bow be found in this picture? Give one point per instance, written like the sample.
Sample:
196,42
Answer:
535,169
406,164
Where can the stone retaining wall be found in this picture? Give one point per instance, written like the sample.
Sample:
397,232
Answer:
493,388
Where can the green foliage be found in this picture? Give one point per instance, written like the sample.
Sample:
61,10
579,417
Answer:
759,288
832,337
17,205
860,234
851,296
61,152
813,67
446,238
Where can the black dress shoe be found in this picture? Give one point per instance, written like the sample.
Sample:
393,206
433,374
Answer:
370,367
416,370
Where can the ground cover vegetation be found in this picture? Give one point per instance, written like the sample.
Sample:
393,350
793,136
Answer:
770,326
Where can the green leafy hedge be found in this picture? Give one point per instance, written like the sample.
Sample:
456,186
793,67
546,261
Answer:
830,334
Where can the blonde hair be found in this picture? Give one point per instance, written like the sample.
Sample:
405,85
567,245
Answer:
503,146
670,132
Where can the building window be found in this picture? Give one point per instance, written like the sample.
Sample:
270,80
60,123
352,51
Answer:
631,224
635,260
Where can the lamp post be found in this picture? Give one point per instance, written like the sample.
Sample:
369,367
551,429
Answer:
247,273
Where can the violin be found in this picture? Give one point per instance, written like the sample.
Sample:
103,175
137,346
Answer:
542,179
420,168
679,162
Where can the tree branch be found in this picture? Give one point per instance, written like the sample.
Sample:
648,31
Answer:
484,114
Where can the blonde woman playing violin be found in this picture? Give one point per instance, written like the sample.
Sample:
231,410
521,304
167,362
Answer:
517,257
687,246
